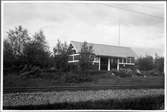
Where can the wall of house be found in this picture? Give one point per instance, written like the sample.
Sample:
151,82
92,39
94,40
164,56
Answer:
124,63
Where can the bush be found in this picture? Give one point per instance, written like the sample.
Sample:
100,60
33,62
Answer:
73,67
159,64
34,72
152,72
145,63
49,70
148,64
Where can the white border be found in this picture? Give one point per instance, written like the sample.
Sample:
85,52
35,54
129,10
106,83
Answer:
1,102
79,2
148,2
165,56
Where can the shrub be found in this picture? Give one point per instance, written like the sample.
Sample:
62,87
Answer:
153,72
159,64
34,72
73,67
145,63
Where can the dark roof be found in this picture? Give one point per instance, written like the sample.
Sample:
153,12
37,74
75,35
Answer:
106,50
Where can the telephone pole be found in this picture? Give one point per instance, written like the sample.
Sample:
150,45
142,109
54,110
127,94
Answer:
119,34
118,31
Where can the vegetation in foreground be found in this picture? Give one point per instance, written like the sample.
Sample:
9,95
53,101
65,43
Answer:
140,103
69,79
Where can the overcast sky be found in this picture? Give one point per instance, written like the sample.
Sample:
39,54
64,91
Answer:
141,24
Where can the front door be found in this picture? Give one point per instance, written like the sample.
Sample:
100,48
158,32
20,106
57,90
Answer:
104,63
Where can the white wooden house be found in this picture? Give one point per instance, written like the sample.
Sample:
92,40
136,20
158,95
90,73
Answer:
107,56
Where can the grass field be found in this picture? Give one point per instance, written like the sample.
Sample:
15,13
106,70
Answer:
144,103
101,99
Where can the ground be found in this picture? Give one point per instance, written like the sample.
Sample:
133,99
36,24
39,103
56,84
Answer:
104,80
105,91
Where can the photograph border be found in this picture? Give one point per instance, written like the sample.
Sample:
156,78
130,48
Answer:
79,2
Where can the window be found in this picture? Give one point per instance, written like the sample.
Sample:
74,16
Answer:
129,60
76,57
70,58
132,60
120,60
124,60
111,60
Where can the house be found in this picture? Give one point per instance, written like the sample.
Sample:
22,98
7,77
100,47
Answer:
107,56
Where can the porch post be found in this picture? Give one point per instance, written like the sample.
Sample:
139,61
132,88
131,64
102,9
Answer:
73,58
108,64
118,64
99,63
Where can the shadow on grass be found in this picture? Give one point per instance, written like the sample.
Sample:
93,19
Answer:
142,103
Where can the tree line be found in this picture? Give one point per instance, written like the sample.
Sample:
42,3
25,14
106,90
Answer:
148,63
23,52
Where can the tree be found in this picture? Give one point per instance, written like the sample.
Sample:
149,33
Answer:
17,39
13,48
70,50
60,48
40,41
36,51
86,57
145,63
61,56
7,54
159,63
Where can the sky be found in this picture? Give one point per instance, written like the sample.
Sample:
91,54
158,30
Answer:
139,25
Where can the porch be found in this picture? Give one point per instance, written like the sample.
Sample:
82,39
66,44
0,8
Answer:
105,62
109,63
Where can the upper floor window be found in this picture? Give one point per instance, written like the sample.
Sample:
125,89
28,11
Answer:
131,60
76,57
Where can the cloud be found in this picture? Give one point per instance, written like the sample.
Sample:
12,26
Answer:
92,22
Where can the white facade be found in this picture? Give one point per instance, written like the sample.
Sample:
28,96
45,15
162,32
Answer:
97,59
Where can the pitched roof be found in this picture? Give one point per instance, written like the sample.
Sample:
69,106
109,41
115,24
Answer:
106,50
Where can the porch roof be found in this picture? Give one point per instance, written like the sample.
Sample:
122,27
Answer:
107,50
